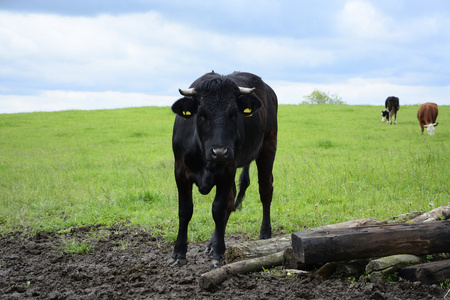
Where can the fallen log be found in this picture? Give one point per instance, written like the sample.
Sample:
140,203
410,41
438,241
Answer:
428,273
350,224
440,213
326,270
321,246
258,248
266,253
252,249
404,218
378,268
391,262
290,262
217,276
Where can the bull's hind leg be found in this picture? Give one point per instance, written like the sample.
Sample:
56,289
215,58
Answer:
244,182
264,162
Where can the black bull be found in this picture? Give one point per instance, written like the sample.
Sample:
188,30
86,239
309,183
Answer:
223,123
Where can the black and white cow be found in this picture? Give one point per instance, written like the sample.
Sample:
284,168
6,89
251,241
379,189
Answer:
392,106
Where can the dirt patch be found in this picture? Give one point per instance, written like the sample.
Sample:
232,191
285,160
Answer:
128,263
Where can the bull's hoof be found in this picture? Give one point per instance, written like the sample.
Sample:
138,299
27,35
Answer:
178,262
216,263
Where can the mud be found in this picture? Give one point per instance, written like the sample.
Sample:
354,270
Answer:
130,263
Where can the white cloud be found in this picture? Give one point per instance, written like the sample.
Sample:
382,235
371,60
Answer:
362,47
282,52
140,51
76,47
360,19
68,100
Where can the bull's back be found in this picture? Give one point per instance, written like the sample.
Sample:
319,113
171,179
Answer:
392,104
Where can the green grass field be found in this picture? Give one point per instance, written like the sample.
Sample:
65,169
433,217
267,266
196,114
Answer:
334,163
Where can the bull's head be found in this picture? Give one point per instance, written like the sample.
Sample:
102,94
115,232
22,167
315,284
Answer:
218,110
430,128
384,115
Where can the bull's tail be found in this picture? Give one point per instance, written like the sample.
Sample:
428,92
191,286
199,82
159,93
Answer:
244,182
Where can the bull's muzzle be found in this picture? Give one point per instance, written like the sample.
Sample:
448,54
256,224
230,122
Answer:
220,154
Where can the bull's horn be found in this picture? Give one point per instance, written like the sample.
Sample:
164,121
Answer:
187,92
245,90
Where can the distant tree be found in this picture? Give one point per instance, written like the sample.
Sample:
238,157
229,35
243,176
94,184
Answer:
319,97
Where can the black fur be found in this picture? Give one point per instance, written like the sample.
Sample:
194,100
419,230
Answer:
225,130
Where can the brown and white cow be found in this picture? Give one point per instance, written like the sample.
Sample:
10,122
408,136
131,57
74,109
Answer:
427,115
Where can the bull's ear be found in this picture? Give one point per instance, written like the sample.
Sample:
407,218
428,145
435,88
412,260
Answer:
185,107
248,104
436,124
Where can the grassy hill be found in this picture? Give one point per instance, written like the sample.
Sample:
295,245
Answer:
334,163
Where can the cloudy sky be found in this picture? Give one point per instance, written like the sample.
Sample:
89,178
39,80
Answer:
96,54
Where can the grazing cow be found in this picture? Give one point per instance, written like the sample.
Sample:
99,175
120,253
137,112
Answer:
427,115
223,123
392,106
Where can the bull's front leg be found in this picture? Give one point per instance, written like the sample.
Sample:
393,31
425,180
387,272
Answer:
185,211
221,209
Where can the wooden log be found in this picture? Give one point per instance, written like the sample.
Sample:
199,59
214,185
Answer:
326,270
383,266
394,262
428,273
217,276
323,246
440,213
252,249
404,218
350,224
290,262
